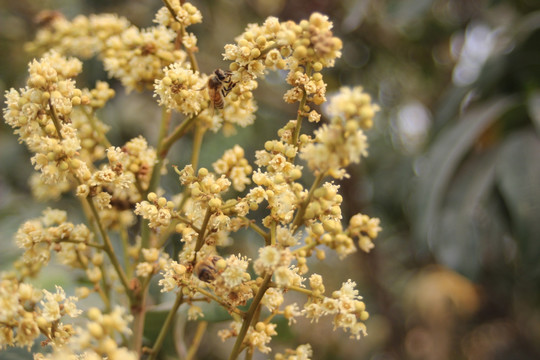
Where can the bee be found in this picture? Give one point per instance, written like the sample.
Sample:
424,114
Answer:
219,85
206,269
45,18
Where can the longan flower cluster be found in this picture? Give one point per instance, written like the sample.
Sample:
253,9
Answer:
204,208
302,352
280,45
42,191
108,181
158,211
277,184
174,275
335,146
82,37
40,114
38,237
154,261
140,161
185,15
58,122
353,104
180,89
136,57
239,110
98,340
91,133
234,166
345,305
366,229
26,313
233,282
341,142
257,336
300,48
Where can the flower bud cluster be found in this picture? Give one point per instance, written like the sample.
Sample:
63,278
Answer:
98,339
40,114
233,283
107,181
154,261
345,305
206,202
82,37
174,275
277,185
140,161
335,146
39,237
158,211
260,335
234,166
185,15
303,352
342,142
353,104
136,57
366,229
58,123
26,313
300,48
44,191
180,89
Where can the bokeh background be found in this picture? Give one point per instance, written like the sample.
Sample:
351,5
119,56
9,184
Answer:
453,170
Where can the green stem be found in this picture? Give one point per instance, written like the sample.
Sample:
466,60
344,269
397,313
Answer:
125,249
138,310
257,229
156,173
179,37
92,120
300,290
299,218
211,296
56,121
249,317
109,250
300,116
87,243
201,328
166,326
305,248
176,134
197,144
273,231
200,238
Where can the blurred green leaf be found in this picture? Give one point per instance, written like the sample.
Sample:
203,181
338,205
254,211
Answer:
470,224
443,160
533,106
518,178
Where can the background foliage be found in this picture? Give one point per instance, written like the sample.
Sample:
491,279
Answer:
453,171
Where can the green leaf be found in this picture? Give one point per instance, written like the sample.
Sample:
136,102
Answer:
533,106
442,162
518,178
471,225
